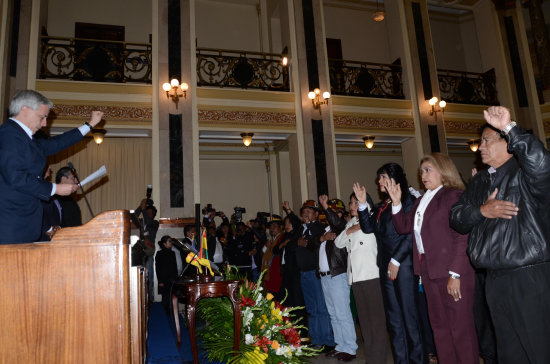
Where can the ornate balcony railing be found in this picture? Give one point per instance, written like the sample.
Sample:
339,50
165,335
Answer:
351,78
229,68
95,60
468,87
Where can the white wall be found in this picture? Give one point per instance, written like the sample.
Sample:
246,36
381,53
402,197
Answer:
285,186
229,183
455,44
227,26
362,38
362,168
134,15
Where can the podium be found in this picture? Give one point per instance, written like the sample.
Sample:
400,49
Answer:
75,299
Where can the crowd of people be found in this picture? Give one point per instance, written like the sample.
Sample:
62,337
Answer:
454,274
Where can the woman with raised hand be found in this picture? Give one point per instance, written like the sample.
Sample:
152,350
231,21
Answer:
363,276
395,266
439,257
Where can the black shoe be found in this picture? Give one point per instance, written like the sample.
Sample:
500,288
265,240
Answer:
346,357
332,353
327,349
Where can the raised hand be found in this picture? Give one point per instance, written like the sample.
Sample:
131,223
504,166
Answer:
96,117
497,116
394,191
360,193
323,200
493,209
286,207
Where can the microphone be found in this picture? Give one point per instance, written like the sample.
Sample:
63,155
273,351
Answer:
70,165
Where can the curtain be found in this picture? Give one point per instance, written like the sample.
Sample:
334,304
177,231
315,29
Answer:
129,171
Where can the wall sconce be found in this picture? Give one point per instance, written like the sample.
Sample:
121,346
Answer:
175,91
247,139
284,57
369,141
433,102
474,145
98,135
315,97
378,15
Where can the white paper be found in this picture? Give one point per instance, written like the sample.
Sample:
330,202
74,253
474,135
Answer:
102,171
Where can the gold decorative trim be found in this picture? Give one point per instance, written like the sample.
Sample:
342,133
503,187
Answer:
111,112
247,117
361,122
462,126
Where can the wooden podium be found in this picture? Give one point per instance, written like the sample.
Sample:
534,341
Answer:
75,299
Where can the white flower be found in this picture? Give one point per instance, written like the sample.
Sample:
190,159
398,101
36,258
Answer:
249,339
285,351
259,298
298,351
248,315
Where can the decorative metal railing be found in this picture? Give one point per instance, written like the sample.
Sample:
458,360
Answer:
468,87
95,60
230,68
351,78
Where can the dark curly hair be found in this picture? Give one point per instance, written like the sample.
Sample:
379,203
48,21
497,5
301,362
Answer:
395,171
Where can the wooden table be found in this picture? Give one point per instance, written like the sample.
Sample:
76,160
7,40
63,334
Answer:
192,292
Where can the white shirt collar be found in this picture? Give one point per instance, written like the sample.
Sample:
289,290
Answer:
25,128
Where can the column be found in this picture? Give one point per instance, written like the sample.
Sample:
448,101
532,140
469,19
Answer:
175,130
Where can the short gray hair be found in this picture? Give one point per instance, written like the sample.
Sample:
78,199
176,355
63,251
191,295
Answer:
28,98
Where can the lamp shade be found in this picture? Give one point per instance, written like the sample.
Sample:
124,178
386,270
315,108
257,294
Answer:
98,135
369,141
247,138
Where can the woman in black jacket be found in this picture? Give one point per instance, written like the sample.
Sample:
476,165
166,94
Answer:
394,261
166,268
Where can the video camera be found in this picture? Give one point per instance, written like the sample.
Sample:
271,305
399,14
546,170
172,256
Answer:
239,213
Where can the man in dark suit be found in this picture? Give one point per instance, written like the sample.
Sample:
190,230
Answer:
22,162
67,206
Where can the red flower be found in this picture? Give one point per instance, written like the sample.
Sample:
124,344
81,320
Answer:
291,336
262,343
247,301
279,306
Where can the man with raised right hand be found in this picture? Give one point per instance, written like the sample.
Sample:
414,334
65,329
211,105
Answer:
505,211
22,163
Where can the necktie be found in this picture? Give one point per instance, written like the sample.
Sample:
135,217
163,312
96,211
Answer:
58,208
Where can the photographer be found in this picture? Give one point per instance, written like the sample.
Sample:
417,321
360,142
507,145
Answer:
242,249
149,227
209,214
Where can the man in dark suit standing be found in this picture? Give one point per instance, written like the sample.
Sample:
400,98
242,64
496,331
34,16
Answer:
22,162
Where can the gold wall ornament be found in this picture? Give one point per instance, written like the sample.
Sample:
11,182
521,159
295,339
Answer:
316,100
175,91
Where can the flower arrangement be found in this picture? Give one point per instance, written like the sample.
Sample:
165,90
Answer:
268,334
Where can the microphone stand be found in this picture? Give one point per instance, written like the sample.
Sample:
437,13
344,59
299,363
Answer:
82,189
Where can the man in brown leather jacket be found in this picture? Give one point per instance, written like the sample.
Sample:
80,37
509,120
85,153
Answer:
506,212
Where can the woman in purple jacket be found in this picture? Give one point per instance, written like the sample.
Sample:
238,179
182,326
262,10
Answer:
439,257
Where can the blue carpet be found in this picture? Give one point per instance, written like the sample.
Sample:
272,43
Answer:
161,340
